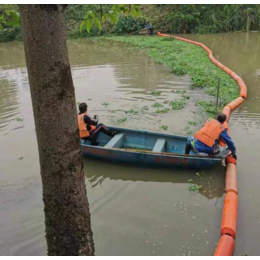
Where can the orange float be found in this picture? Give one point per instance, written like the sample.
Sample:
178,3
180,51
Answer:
235,103
227,111
229,216
225,246
227,70
234,76
240,82
243,91
231,178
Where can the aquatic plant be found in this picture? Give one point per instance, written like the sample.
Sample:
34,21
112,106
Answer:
122,120
156,93
157,105
195,187
165,110
164,127
105,104
131,111
178,104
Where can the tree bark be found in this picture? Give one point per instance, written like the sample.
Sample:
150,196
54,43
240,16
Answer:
67,217
248,22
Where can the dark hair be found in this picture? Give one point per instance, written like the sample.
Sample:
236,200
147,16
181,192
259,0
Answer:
83,107
222,118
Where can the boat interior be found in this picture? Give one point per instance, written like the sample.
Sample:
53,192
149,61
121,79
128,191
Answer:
143,141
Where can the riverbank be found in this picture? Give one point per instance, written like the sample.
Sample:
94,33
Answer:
183,58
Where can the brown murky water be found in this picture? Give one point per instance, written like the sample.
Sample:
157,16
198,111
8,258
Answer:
135,211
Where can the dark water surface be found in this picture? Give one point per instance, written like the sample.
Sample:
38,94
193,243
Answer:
135,211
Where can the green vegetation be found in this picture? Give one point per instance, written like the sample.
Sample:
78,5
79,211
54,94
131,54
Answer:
203,18
185,96
19,119
122,120
105,104
88,20
156,93
9,23
157,105
82,20
178,104
164,127
178,91
194,61
131,111
20,158
195,187
165,110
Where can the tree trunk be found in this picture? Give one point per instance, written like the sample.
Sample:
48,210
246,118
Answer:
67,217
248,22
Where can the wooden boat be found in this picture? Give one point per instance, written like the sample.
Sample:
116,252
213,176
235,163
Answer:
146,149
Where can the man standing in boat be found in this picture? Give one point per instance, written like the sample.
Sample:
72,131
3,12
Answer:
213,138
89,127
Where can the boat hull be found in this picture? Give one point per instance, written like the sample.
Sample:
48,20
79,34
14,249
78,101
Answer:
145,157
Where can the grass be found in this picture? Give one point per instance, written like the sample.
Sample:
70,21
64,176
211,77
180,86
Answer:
184,58
19,119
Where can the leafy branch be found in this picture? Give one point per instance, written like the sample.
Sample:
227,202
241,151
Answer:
93,17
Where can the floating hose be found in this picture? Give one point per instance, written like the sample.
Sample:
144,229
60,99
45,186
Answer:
226,243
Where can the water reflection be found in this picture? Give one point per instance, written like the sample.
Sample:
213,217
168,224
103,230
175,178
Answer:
212,180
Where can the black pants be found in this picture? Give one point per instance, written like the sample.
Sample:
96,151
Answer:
94,135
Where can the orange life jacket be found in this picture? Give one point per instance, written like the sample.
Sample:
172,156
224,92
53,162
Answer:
83,131
210,132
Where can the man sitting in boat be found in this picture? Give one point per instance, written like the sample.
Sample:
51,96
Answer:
212,139
89,127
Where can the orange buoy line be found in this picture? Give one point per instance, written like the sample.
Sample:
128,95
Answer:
226,243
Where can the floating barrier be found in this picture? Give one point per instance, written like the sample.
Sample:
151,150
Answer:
235,103
226,243
229,216
225,246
